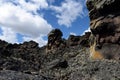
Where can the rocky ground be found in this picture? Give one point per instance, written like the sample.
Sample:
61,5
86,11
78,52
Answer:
69,59
29,62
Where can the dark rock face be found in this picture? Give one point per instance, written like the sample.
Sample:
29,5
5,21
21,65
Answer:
20,57
102,8
79,40
70,58
27,61
105,27
55,41
73,40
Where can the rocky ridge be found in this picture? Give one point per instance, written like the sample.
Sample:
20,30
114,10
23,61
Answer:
67,59
105,28
29,62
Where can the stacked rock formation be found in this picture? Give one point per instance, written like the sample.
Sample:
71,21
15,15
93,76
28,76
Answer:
55,41
105,28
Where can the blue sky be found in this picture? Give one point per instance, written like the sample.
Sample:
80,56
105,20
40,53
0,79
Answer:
25,20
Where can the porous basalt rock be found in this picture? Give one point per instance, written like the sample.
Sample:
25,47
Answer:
55,41
101,8
73,40
28,61
14,75
79,40
20,57
105,27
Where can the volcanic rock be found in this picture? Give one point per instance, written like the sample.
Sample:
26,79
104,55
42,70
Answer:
79,40
14,75
28,61
105,27
55,41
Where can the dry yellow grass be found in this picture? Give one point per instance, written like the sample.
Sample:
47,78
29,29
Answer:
95,54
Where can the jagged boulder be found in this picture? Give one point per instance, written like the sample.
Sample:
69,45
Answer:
84,40
5,48
25,57
105,28
73,40
30,44
79,40
55,41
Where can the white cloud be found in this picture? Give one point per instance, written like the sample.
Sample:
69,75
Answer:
17,15
8,35
72,33
38,39
33,5
87,30
30,5
68,12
